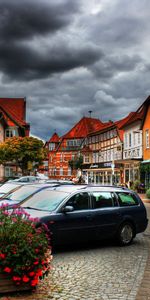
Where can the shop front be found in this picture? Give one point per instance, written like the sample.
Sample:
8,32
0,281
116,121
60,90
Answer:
131,171
106,173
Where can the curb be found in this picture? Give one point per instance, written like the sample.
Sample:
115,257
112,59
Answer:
146,200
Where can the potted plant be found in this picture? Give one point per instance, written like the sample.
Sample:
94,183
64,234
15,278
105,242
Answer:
25,252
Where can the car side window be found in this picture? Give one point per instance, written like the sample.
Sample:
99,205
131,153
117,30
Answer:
79,201
127,199
102,199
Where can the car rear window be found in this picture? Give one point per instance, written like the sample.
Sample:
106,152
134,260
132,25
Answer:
127,199
102,199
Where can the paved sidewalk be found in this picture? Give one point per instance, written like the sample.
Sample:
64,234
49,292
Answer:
144,288
144,198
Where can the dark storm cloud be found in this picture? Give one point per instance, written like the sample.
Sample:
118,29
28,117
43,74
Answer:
26,19
22,62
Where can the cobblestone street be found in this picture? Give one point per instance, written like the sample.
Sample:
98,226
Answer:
102,272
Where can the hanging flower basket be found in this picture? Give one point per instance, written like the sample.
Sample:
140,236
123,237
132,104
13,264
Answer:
25,252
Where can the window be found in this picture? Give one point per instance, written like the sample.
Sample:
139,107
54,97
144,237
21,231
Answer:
147,138
86,158
51,146
10,133
129,139
127,199
61,171
139,138
93,139
74,143
95,157
102,199
8,171
69,171
79,201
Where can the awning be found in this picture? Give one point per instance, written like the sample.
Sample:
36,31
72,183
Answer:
145,161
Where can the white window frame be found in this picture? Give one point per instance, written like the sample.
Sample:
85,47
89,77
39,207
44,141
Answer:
147,138
11,132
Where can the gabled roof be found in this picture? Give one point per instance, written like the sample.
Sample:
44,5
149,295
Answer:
83,128
54,139
13,110
134,116
143,109
123,122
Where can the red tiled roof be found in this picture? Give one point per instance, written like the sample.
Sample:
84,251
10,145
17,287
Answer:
54,138
83,128
13,110
131,118
121,123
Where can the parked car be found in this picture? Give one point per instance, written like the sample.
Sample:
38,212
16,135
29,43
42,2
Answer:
22,193
26,179
85,213
59,181
9,186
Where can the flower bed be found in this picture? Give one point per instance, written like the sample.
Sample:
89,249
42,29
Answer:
25,252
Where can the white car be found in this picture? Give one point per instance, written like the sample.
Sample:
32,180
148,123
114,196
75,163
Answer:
26,179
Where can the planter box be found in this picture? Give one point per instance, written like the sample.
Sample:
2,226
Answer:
7,285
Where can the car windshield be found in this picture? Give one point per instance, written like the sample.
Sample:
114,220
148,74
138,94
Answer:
22,193
7,187
45,200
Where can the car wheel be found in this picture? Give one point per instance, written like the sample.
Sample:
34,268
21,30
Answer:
126,234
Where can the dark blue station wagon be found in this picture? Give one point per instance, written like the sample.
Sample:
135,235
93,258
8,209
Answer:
85,213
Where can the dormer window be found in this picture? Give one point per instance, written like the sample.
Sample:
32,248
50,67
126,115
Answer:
51,146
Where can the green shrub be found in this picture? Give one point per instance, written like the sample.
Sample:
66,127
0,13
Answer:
135,185
148,193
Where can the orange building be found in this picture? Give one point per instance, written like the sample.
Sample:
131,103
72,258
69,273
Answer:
63,150
145,165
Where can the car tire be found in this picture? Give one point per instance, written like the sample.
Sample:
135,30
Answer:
126,234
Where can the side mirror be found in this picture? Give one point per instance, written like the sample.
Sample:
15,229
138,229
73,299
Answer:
67,209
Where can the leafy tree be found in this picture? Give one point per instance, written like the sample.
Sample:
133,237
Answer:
76,163
23,151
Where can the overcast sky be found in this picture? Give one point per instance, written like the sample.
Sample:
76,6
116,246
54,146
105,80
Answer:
71,56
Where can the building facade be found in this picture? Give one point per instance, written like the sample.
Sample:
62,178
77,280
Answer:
132,147
113,152
64,152
101,152
12,123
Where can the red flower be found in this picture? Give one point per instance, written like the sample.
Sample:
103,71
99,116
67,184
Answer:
16,278
39,272
34,282
7,270
25,278
36,262
2,255
31,274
